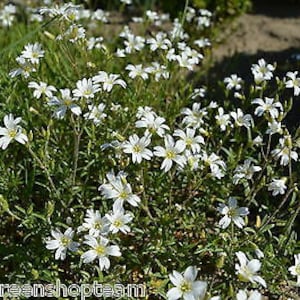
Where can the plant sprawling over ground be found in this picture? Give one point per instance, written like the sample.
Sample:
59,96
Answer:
117,166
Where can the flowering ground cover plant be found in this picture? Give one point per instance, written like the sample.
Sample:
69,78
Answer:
117,166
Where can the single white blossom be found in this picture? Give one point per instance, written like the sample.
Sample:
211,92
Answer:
233,82
293,82
62,242
232,213
186,285
101,250
171,153
295,270
41,88
118,219
247,270
137,147
12,131
277,186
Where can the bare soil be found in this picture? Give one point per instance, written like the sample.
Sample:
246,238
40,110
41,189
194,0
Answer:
269,28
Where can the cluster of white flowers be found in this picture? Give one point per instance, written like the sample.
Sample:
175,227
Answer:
187,145
28,60
7,15
100,229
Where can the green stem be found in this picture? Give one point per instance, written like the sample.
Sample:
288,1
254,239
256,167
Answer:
44,168
278,209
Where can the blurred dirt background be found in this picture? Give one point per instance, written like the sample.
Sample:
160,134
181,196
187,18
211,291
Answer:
270,27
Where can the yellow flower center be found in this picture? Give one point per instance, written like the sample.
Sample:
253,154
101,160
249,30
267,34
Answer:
67,102
189,141
123,195
137,148
98,225
117,223
65,241
35,55
152,130
87,92
170,154
186,287
297,269
232,212
100,250
12,133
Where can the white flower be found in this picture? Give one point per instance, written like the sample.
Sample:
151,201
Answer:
177,31
96,113
251,295
142,111
66,102
223,120
186,285
295,270
194,117
192,159
247,270
262,71
120,53
203,21
25,68
170,153
171,56
100,15
293,82
137,70
185,61
33,53
190,14
100,249
159,71
233,82
241,119
153,123
86,89
133,43
41,88
202,43
118,219
232,213
285,152
109,80
137,147
268,106
7,15
95,43
199,92
62,242
216,165
189,140
74,33
245,171
66,10
274,127
194,56
159,42
11,131
119,189
127,2
94,223
277,186
258,141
